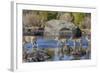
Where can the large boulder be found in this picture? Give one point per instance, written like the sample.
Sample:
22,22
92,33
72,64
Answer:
53,27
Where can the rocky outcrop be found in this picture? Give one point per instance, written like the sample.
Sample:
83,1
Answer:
53,27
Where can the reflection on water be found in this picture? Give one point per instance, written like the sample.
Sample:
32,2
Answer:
56,50
65,57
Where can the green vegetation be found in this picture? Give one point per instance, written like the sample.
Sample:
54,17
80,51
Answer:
40,17
78,17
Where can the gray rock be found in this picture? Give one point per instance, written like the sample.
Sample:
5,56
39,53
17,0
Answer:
54,26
